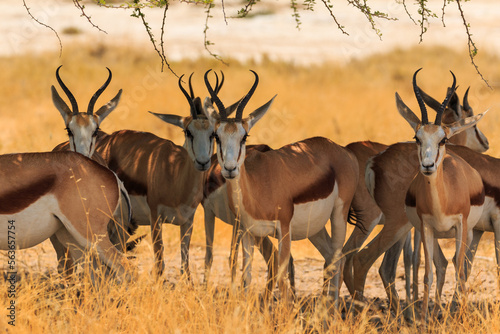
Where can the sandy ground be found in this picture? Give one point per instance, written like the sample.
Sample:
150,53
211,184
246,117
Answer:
274,34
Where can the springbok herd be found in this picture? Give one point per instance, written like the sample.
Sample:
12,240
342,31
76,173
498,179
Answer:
95,198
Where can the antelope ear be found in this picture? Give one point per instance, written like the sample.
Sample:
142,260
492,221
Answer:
257,114
106,109
463,124
407,114
60,105
171,119
209,111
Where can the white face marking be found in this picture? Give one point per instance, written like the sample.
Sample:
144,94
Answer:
231,148
431,149
82,131
199,142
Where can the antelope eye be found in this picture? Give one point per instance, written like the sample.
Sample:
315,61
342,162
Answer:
95,132
417,140
188,134
70,133
217,139
444,141
244,139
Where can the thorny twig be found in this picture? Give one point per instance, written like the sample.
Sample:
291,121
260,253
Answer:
210,5
407,12
83,14
471,44
329,7
45,25
139,14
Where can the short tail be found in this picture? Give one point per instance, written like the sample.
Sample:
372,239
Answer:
354,218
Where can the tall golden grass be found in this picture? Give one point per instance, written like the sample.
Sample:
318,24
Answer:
345,103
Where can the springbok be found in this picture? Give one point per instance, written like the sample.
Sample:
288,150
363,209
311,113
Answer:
165,181
61,194
216,204
389,175
446,198
83,128
290,192
83,132
368,210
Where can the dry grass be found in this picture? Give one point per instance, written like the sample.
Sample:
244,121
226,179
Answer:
349,103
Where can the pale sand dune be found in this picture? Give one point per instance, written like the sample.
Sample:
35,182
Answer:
274,35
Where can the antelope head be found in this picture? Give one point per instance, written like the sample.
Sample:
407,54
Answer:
83,127
231,133
472,137
198,131
432,137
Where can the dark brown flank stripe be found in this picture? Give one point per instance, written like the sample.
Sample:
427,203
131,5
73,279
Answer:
16,200
477,199
320,189
492,191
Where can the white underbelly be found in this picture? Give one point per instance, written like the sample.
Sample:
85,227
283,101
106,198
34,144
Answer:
31,226
444,226
490,213
309,218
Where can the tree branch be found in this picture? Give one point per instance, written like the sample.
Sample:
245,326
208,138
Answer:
210,5
329,7
45,25
471,44
83,14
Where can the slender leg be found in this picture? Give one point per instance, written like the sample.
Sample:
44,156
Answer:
338,220
285,243
323,244
354,243
248,243
428,241
209,238
236,236
407,258
387,272
186,232
441,264
156,235
270,255
394,229
417,242
64,261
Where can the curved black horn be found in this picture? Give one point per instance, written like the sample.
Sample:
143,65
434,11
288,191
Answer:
90,109
190,100
191,87
70,96
215,98
244,101
217,85
446,100
420,100
466,100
